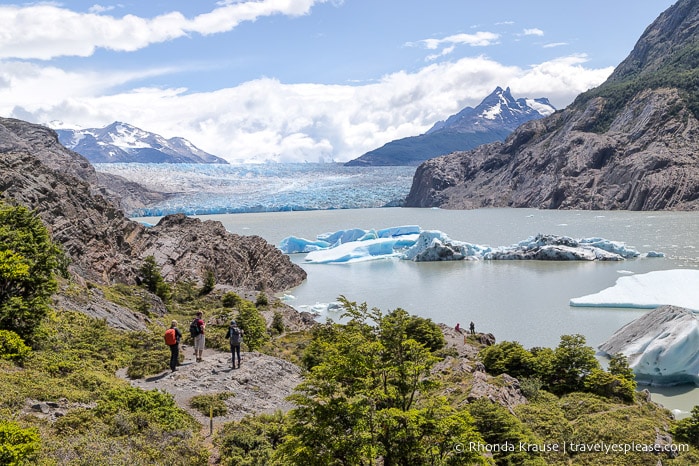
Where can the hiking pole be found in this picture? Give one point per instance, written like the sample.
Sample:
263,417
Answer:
211,420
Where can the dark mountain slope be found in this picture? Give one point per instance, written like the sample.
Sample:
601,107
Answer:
632,143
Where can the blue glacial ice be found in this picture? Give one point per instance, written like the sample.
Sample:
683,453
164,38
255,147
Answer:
412,243
199,189
679,287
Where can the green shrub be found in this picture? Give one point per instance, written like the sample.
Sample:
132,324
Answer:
277,323
211,403
231,299
254,326
209,283
261,300
17,445
252,441
12,347
131,410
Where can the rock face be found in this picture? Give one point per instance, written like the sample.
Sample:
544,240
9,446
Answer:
492,120
662,346
106,247
261,385
605,151
42,144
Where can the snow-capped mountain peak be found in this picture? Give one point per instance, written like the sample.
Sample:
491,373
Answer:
122,142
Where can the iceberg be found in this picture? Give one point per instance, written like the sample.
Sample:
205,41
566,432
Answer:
553,247
434,245
678,287
410,242
356,251
293,245
662,346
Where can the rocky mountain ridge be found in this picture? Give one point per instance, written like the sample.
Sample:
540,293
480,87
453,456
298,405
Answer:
617,147
124,143
491,120
103,245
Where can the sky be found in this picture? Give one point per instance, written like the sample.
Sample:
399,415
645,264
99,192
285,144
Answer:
300,80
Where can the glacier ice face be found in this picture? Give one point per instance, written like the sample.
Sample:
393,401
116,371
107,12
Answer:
201,189
662,346
679,287
410,242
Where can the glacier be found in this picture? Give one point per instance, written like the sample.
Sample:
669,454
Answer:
201,189
678,287
410,242
662,346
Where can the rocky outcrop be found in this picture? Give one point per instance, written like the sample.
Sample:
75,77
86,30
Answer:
261,385
106,247
622,146
661,346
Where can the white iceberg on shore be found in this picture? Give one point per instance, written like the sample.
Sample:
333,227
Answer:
662,346
679,287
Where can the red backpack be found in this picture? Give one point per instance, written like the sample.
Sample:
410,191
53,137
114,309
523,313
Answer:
170,337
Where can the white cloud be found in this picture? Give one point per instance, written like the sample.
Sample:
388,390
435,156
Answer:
266,119
47,31
533,32
555,44
479,39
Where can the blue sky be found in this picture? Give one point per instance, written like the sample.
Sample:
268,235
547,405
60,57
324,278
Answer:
300,80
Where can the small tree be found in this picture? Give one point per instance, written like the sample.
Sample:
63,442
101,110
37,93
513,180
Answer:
572,362
153,280
253,324
29,262
687,429
209,282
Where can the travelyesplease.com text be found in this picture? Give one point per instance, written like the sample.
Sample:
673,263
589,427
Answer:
570,447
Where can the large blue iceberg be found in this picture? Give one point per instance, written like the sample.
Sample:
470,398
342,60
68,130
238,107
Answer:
412,243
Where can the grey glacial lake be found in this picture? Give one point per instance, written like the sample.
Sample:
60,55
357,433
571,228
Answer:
526,301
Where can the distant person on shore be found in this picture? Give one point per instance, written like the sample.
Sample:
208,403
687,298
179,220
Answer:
458,327
235,336
196,329
472,328
172,339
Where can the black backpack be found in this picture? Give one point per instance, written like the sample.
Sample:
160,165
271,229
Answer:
194,329
236,335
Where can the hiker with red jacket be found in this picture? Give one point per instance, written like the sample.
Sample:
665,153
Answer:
172,339
196,329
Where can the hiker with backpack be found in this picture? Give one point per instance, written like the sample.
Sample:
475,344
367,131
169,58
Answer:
235,336
172,339
196,330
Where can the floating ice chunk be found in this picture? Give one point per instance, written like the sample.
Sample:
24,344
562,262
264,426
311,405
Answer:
678,287
342,236
662,346
356,251
399,231
654,254
292,245
433,245
554,247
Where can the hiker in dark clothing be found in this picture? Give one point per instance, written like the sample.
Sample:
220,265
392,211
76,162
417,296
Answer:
175,349
235,336
472,328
